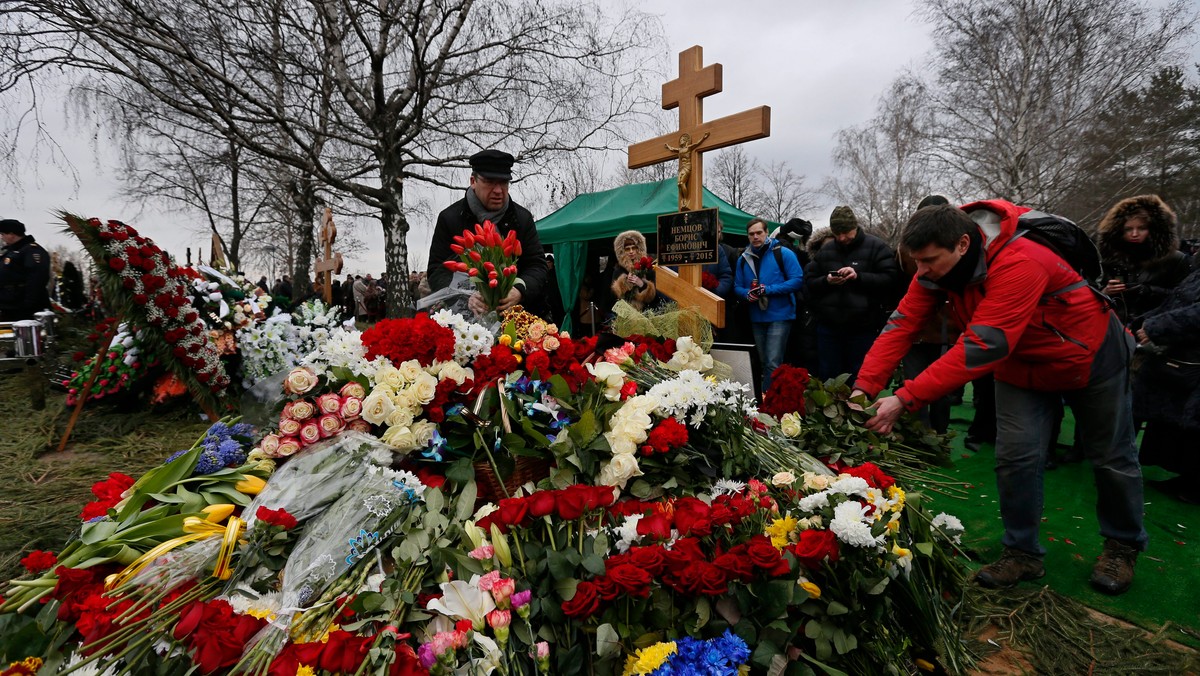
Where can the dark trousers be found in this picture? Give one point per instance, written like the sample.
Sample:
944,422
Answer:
842,350
919,357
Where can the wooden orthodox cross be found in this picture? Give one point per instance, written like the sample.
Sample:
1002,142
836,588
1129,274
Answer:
695,136
331,264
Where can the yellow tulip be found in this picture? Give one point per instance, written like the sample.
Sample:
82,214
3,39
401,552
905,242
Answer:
218,513
505,339
814,592
251,485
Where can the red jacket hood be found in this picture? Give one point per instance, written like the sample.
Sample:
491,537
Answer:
997,220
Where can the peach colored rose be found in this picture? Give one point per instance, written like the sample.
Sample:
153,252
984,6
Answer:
300,381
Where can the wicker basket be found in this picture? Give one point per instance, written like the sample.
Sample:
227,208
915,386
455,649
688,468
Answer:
525,470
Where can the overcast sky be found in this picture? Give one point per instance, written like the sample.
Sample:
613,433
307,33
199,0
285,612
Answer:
820,66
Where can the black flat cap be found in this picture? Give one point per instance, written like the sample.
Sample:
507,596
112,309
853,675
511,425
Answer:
13,226
495,164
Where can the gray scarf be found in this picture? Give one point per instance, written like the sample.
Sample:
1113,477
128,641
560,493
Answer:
480,211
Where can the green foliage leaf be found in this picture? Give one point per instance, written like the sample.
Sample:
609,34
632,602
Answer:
608,642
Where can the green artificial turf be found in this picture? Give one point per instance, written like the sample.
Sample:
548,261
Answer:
1165,596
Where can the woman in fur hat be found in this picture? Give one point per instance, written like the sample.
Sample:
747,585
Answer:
1141,255
631,285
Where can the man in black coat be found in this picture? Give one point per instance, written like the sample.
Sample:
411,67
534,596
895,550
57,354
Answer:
24,273
487,200
850,283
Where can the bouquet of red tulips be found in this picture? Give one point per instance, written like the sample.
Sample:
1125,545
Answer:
488,259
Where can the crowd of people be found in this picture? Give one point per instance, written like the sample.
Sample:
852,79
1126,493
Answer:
969,297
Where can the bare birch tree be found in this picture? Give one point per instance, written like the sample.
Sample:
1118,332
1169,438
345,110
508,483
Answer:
355,97
733,176
882,166
1016,84
781,195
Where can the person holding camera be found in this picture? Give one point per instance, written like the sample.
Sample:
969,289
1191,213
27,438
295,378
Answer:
851,284
768,275
1140,252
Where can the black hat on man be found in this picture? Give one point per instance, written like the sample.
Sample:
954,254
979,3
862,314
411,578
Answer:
932,201
797,229
12,226
493,164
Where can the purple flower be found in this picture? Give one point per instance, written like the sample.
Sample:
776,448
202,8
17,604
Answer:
521,598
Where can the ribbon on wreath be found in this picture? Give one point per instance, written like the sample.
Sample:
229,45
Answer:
196,529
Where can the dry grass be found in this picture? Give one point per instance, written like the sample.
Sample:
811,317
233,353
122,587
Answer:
45,491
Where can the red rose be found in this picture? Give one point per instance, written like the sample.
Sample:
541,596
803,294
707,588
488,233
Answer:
585,602
814,547
276,517
652,559
736,565
631,579
215,634
344,652
656,525
763,554
512,512
542,503
691,517
606,588
699,577
116,264
574,501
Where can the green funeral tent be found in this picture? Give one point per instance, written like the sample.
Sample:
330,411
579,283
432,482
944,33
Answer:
606,214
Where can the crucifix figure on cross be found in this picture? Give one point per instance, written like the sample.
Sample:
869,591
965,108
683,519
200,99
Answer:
331,264
686,146
687,92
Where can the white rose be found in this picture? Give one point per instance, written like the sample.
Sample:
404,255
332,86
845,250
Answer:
400,438
377,407
389,375
300,380
424,388
451,370
411,370
816,482
607,373
620,470
790,424
406,400
423,432
399,417
783,479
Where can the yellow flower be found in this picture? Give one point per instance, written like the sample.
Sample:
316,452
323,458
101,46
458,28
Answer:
896,494
305,670
251,485
781,530
924,665
893,524
814,592
218,513
648,659
519,345
505,339
261,613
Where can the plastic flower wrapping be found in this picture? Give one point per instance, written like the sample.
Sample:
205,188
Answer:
432,498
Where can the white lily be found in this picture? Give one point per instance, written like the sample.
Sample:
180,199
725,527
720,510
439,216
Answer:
464,600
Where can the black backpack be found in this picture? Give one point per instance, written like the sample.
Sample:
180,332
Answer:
1066,239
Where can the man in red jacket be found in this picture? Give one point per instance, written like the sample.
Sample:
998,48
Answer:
1030,319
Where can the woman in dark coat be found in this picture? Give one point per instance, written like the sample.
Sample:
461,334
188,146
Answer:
1141,256
1171,405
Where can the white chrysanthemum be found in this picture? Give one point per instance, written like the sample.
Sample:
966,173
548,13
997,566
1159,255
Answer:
815,501
849,526
728,487
91,669
948,523
849,485
627,534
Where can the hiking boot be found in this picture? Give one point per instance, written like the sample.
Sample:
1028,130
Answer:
1113,572
1013,566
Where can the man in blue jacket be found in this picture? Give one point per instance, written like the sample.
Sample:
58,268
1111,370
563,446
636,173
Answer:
768,277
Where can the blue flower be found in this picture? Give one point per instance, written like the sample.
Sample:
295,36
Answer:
174,456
